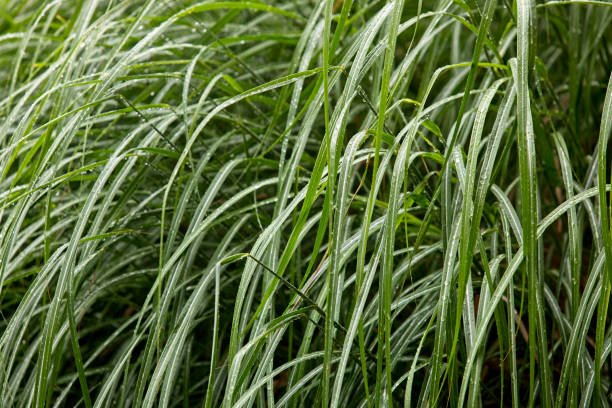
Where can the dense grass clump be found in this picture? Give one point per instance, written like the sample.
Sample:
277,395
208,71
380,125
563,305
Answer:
299,203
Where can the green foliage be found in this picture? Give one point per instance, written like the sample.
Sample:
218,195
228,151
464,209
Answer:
346,203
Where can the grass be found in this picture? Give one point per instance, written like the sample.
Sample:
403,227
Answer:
296,203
